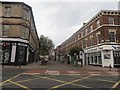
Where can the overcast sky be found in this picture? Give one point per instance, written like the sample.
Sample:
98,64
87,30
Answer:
59,19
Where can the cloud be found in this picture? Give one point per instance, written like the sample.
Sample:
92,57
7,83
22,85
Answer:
59,20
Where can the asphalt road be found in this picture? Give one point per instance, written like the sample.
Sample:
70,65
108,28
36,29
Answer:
51,82
16,79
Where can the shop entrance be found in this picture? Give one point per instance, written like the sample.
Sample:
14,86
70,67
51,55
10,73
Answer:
116,55
21,55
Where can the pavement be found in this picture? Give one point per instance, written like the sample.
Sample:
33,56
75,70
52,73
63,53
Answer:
57,68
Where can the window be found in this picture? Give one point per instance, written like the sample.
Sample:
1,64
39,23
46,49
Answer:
112,36
7,11
24,33
119,21
82,33
25,14
91,41
91,28
98,38
99,58
86,43
116,55
111,21
5,30
98,23
86,31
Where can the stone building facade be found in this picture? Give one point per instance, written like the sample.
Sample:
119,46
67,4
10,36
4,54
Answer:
18,39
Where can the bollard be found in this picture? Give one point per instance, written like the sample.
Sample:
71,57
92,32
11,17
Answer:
110,67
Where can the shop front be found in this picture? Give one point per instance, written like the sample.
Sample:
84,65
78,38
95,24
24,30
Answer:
16,53
104,56
6,52
116,56
21,54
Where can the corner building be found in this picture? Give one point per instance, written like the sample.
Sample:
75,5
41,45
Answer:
19,42
99,38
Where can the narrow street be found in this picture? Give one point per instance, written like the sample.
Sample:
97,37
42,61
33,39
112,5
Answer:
56,75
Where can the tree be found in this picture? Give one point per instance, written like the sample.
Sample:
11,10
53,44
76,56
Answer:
76,50
46,45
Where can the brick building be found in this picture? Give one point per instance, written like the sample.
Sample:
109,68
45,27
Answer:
99,38
18,39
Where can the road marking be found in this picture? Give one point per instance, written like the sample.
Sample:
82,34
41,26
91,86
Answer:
9,79
94,74
52,72
73,74
116,84
22,81
25,80
20,85
71,82
65,83
49,78
106,80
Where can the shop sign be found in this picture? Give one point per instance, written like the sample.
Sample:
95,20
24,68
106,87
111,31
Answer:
106,56
116,47
21,44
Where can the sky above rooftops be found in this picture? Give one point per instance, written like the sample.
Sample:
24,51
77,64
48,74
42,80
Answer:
59,19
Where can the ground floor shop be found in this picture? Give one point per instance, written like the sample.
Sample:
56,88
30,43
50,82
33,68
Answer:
16,52
105,56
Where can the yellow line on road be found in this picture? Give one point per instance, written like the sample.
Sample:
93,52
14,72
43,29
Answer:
66,83
20,85
109,81
9,79
61,81
22,81
49,78
116,84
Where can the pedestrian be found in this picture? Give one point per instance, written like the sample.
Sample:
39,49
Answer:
68,60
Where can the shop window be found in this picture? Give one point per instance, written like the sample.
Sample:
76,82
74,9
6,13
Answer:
116,55
92,61
21,55
99,58
6,51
